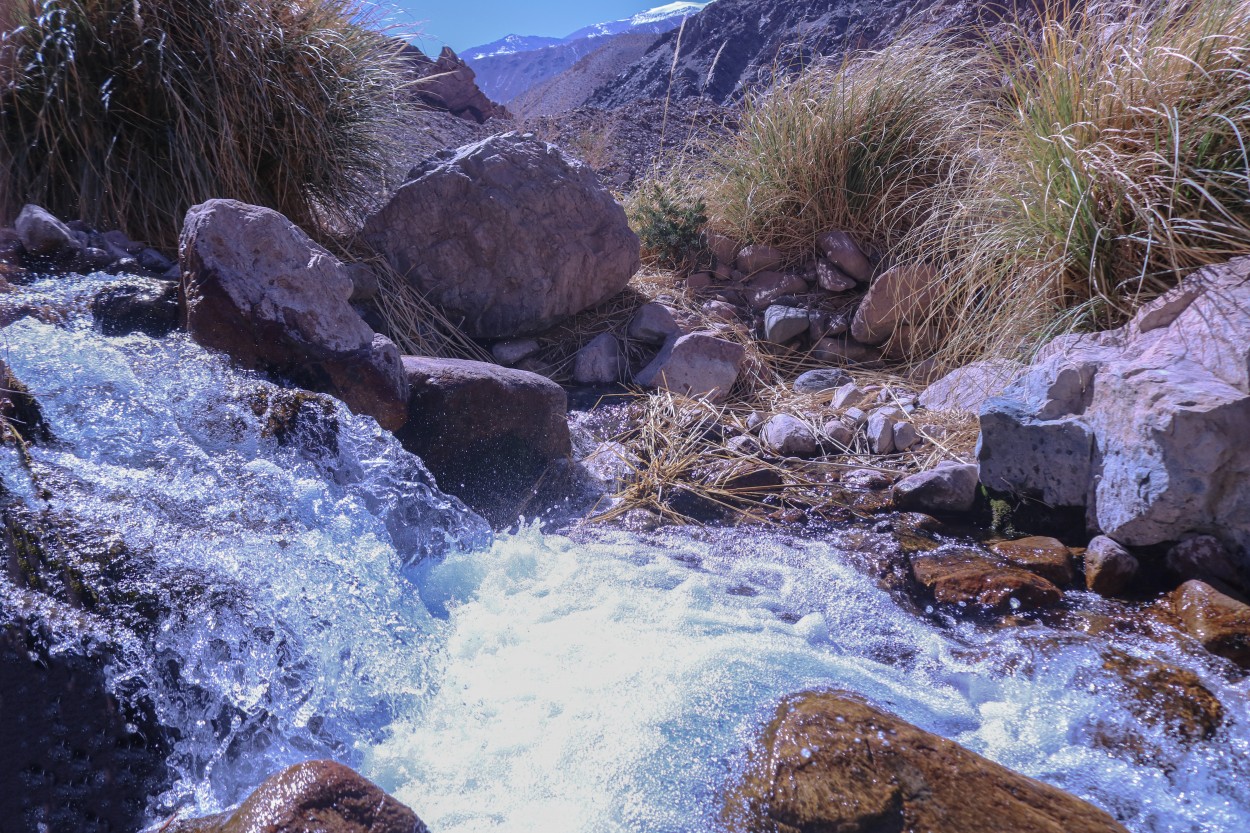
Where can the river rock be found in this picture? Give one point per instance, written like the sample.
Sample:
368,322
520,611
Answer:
514,351
880,429
828,761
1166,696
783,324
1204,557
723,247
259,289
789,436
698,365
841,435
1047,557
899,296
43,235
507,236
843,252
1220,622
1143,427
142,306
653,323
312,797
77,757
981,581
968,387
1109,567
19,410
833,279
486,433
847,351
600,362
759,258
766,287
822,380
905,436
951,487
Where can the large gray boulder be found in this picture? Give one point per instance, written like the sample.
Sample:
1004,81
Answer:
487,433
1146,426
259,289
507,236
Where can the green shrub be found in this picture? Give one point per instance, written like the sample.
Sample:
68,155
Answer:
125,113
670,225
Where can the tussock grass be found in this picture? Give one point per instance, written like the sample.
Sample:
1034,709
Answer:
868,147
1117,165
124,114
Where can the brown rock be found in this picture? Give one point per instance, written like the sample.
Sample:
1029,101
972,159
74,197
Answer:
847,351
486,433
699,364
844,253
767,287
723,247
759,258
971,578
1219,622
899,296
258,288
1109,567
1167,696
833,279
1046,557
830,763
448,83
312,797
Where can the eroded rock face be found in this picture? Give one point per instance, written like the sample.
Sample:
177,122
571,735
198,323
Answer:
507,236
1144,427
313,797
258,288
448,83
486,433
830,762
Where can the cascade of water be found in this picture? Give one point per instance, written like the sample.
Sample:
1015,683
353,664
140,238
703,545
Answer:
318,596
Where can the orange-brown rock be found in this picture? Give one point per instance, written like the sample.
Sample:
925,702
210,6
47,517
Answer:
1221,623
313,797
1044,556
970,578
1160,694
830,762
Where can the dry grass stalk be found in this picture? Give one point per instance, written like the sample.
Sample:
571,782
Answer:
416,326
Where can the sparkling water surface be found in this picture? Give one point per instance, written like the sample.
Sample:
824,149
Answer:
327,600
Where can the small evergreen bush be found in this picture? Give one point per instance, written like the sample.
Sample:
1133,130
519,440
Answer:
670,225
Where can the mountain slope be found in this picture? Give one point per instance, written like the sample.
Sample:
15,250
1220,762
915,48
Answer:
734,45
572,87
510,66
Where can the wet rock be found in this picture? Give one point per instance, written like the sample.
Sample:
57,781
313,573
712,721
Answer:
766,287
1205,557
981,581
832,279
866,479
1166,696
759,258
43,235
653,323
533,238
514,351
843,252
899,296
724,248
830,762
1141,427
486,433
951,487
697,365
789,436
967,388
1047,557
259,289
1109,567
20,413
1220,622
783,324
148,306
11,248
312,797
77,756
600,362
822,380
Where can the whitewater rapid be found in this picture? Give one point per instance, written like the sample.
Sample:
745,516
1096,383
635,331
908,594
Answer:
326,600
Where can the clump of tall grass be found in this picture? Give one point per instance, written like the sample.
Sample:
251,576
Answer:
868,147
1119,164
125,113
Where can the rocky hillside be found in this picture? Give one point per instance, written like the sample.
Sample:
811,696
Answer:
448,84
508,67
733,45
572,87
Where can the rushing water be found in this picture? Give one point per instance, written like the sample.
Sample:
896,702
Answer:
340,606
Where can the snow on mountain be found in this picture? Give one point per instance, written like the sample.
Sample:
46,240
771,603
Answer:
660,19
666,12
510,45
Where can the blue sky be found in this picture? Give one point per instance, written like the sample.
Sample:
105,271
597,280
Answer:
465,23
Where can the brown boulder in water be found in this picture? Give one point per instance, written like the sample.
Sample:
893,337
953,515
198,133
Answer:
830,762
